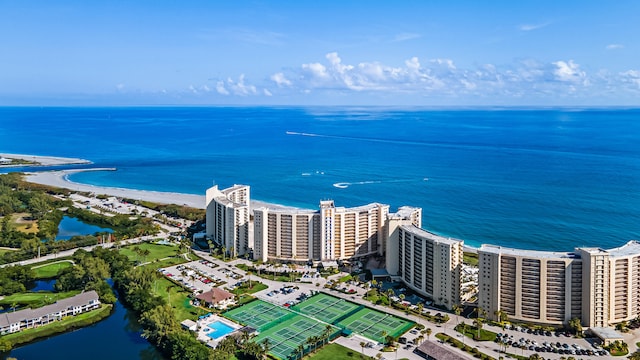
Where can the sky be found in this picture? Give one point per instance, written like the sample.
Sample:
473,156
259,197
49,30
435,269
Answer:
400,53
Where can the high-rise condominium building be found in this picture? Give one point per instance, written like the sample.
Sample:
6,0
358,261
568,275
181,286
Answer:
427,263
600,287
331,233
228,218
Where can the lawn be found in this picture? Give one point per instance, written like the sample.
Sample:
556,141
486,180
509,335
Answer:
244,289
4,251
336,351
36,299
470,259
177,296
169,262
472,332
51,270
156,251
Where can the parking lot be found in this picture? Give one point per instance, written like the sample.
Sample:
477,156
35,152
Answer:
200,276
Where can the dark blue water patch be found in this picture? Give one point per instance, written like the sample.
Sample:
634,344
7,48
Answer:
117,337
70,227
43,285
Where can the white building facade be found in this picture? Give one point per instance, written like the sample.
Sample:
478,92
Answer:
228,218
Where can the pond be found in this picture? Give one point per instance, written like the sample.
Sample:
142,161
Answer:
43,285
70,227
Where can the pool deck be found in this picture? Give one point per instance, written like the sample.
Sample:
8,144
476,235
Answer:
204,329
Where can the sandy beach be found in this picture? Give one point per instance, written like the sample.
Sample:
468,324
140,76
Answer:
60,179
42,160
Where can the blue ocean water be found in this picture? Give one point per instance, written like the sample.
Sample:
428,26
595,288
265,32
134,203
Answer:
542,179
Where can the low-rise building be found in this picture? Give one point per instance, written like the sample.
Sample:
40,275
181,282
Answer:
216,297
11,322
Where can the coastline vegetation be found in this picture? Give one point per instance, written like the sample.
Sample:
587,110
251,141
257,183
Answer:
172,210
30,215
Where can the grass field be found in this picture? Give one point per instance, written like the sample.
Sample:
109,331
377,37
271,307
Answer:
335,352
156,252
4,251
35,299
178,298
326,308
51,270
168,262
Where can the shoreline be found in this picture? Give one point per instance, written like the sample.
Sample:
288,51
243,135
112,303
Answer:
41,160
60,178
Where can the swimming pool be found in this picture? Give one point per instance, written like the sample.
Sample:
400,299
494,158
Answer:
219,329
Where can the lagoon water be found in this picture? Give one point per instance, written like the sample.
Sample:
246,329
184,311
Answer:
538,179
70,227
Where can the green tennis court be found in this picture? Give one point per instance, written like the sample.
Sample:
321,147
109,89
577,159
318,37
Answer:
326,308
258,314
375,325
284,338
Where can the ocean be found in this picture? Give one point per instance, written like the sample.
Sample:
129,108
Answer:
545,179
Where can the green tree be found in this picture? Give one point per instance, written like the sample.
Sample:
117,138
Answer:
576,325
266,347
159,323
428,333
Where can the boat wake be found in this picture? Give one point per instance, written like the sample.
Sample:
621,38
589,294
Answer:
344,185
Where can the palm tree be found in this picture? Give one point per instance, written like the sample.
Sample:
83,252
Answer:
457,309
327,332
145,253
420,308
479,321
383,334
362,345
266,346
390,293
428,333
301,350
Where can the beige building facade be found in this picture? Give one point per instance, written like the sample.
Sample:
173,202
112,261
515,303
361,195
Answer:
228,218
600,287
429,264
330,233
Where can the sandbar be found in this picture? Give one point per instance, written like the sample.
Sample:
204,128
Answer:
41,160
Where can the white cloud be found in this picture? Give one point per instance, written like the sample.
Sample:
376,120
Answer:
569,72
631,77
316,70
280,79
531,27
438,78
240,88
221,89
614,46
